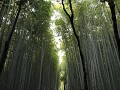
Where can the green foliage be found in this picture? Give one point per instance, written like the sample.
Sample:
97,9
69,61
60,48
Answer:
33,62
32,55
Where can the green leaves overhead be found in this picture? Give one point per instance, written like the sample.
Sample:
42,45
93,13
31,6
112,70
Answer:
32,61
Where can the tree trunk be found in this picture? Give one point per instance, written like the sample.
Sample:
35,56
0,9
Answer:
7,42
115,28
71,18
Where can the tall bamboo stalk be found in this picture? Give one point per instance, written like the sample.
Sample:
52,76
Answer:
71,18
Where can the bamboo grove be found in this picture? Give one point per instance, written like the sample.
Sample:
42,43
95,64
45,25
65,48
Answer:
89,31
31,61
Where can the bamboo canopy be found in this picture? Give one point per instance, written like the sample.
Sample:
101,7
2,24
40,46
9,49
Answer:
59,44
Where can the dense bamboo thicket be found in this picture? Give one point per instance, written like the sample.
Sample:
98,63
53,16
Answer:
29,53
92,47
90,41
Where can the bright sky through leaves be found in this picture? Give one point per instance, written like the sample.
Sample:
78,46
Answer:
57,38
